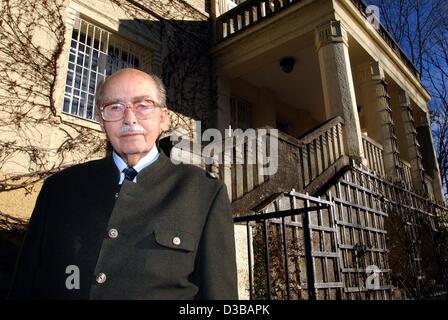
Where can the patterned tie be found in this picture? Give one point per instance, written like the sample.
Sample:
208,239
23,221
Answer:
129,173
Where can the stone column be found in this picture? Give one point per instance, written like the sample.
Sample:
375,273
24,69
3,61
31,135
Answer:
337,83
376,103
415,158
429,157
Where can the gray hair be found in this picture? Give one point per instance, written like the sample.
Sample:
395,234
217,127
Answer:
161,99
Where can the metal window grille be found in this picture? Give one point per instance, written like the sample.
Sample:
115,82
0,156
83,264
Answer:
94,54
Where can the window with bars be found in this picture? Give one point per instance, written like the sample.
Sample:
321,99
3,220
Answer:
94,54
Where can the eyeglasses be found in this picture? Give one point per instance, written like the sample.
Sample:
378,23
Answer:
143,109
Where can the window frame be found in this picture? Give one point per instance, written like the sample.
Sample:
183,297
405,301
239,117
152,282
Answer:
115,39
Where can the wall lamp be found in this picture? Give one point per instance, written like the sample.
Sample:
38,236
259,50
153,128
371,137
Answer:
287,64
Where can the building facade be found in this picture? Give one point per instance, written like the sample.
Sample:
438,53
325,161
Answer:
326,74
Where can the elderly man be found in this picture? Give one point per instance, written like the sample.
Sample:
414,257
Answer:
130,226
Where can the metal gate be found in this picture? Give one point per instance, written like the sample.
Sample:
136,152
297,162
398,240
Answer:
292,250
338,247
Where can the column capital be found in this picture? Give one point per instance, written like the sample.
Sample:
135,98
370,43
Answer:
369,71
330,32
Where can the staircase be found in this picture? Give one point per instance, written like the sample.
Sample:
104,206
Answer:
245,161
259,163
304,165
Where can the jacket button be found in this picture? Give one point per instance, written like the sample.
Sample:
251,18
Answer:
176,241
113,233
101,278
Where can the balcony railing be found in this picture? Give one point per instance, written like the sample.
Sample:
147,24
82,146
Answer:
373,151
316,152
247,14
243,167
362,8
321,148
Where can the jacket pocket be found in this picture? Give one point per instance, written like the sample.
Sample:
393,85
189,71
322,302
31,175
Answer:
175,239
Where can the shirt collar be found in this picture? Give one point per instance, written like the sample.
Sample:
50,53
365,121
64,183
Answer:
147,160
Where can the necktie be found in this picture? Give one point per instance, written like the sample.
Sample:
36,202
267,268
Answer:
129,173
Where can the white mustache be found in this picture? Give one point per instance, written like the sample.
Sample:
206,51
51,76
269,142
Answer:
131,128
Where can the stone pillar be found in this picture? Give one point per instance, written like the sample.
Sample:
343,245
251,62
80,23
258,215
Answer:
429,157
415,158
376,103
337,83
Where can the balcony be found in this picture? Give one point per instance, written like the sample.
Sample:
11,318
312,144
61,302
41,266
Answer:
248,14
253,12
387,37
373,152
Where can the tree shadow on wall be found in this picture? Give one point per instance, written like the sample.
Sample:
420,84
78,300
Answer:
180,56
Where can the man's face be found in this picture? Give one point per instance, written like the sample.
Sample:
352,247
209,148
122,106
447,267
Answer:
129,86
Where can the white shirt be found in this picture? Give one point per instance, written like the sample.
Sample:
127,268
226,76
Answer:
147,160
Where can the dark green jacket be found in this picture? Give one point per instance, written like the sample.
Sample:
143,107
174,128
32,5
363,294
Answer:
174,239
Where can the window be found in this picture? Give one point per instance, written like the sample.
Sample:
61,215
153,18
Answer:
94,54
240,111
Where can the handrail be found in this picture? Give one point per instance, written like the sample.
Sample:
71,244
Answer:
310,136
375,143
373,152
